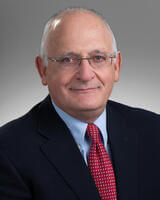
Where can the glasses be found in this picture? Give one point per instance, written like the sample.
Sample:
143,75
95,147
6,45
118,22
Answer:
73,61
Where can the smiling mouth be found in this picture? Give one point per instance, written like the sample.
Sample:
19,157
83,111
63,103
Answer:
85,90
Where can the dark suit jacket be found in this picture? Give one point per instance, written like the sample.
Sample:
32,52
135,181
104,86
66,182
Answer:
39,159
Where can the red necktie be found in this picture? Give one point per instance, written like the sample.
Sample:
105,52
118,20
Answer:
100,165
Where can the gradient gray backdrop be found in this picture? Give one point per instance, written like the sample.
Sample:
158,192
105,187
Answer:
136,24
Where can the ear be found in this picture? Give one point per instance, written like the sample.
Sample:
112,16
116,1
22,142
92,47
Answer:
117,66
41,69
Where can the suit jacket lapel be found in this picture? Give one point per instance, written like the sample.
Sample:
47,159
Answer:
63,153
123,144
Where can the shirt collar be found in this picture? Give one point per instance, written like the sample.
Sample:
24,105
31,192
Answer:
78,127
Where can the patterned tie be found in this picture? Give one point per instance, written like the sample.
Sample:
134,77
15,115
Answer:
100,165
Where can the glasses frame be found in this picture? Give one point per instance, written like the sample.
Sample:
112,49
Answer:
110,55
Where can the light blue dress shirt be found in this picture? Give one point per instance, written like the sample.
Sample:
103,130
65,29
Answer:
78,130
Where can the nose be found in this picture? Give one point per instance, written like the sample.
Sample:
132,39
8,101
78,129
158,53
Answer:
85,72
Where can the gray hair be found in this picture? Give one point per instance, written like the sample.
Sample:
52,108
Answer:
49,22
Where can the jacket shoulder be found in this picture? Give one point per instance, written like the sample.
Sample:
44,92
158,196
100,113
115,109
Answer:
134,114
21,127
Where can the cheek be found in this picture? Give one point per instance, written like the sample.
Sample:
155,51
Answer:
58,80
107,77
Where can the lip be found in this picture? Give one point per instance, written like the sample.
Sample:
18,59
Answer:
84,90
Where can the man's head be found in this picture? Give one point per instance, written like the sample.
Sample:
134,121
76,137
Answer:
82,89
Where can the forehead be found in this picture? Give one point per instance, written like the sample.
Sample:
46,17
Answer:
78,31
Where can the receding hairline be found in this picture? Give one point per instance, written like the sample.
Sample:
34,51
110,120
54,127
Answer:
71,11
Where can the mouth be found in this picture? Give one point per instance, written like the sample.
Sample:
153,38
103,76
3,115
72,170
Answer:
84,90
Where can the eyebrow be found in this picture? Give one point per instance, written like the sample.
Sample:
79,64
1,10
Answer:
69,54
97,51
77,54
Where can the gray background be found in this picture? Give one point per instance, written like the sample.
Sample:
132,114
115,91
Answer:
136,24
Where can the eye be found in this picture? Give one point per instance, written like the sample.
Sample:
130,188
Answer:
98,58
67,60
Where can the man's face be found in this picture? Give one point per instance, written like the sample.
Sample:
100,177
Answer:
84,91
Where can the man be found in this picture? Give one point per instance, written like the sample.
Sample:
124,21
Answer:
48,153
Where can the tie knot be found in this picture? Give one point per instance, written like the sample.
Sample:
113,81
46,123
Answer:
93,133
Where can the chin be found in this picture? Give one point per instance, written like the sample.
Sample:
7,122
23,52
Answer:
88,106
